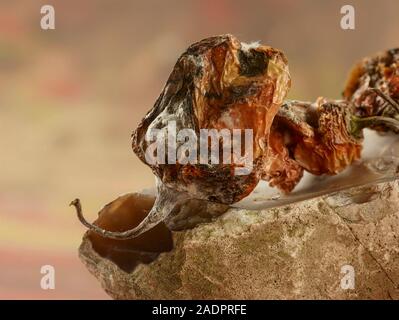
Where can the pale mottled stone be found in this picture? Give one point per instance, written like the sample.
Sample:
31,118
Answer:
291,252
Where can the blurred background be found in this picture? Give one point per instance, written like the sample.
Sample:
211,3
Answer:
70,98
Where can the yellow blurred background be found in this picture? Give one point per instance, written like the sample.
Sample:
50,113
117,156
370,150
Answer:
70,98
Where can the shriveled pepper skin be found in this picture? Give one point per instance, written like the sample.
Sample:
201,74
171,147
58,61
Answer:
331,148
380,72
219,83
316,139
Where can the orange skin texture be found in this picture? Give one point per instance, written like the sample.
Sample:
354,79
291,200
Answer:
380,72
219,83
281,170
331,149
314,138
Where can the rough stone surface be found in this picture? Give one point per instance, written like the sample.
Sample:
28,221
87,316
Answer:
291,252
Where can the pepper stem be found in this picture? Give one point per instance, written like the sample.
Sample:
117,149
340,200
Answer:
164,204
358,124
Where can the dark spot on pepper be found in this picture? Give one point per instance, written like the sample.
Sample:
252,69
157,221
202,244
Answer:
252,62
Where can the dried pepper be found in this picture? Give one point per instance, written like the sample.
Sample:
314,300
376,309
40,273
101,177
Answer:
326,136
373,88
220,83
316,139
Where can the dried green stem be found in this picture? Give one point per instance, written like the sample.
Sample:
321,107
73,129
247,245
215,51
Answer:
358,124
164,204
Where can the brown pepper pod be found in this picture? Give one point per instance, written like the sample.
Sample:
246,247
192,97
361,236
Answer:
331,147
315,137
221,84
218,83
373,88
325,137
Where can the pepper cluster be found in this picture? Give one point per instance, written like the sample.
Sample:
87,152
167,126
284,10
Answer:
221,83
